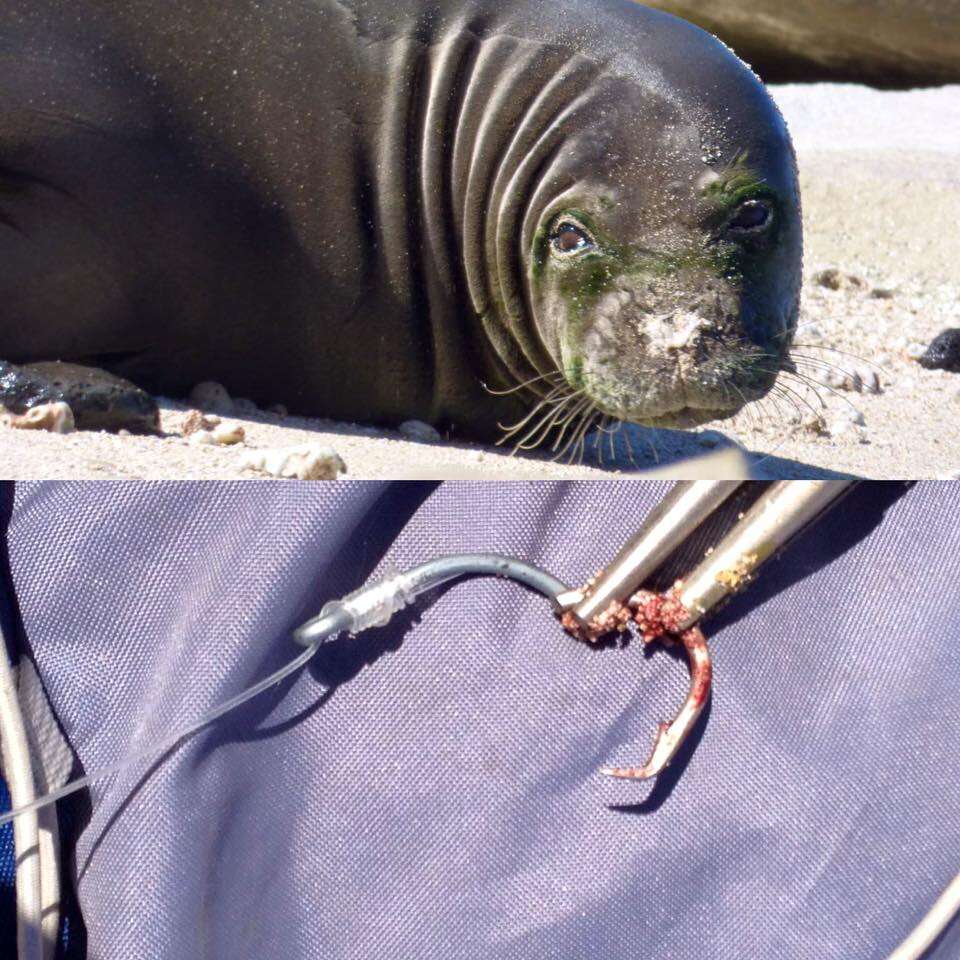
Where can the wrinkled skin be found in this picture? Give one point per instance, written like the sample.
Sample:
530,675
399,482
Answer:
348,206
681,302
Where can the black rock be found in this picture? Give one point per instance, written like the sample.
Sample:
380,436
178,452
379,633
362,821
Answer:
943,352
99,400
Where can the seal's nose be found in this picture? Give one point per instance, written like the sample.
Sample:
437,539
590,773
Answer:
677,332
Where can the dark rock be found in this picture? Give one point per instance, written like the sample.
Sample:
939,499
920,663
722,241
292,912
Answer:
943,352
834,279
99,400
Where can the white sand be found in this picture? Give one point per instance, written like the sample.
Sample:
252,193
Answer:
880,175
880,178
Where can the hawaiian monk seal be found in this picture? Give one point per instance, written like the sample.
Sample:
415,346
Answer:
375,211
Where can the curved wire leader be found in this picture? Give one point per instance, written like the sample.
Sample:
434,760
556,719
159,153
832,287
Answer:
370,606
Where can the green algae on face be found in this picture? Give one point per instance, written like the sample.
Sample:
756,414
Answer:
573,371
735,184
580,281
597,305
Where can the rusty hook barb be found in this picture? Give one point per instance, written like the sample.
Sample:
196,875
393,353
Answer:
657,616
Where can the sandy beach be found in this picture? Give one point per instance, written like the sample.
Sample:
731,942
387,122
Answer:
880,176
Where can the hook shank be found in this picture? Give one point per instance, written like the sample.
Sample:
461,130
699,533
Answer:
670,736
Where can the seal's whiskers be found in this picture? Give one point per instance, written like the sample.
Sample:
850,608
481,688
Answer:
560,418
556,395
611,432
583,404
816,386
547,422
745,408
785,390
843,353
581,445
543,416
553,376
761,414
816,363
575,444
653,447
779,392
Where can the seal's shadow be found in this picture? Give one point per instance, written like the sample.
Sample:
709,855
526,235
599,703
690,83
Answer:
634,449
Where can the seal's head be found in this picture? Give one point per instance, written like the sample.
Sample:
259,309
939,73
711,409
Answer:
664,261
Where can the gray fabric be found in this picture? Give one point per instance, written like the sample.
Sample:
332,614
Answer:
428,789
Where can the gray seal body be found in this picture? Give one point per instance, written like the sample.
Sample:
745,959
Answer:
376,211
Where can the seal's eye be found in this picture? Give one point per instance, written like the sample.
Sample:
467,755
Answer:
751,217
570,238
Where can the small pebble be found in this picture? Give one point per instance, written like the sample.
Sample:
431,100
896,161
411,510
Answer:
195,421
853,416
845,427
815,424
211,397
307,461
420,431
943,352
882,293
841,379
228,434
224,434
834,279
53,417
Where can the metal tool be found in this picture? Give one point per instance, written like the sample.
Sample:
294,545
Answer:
680,512
612,600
